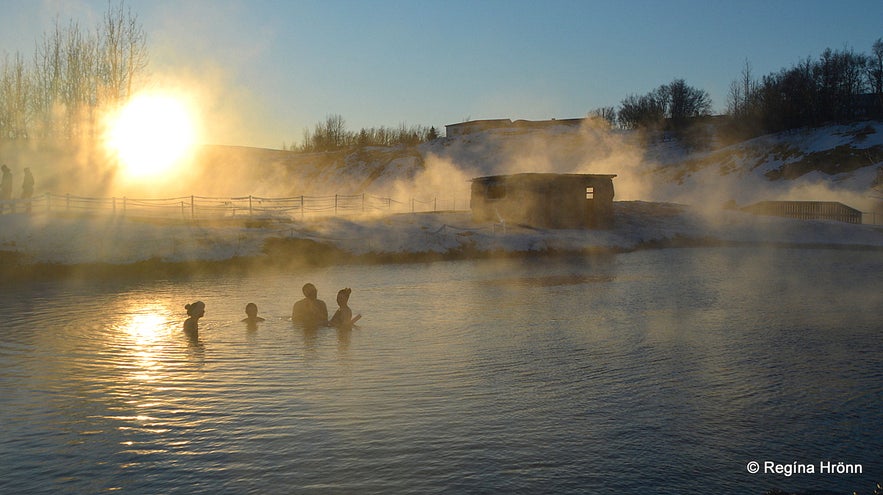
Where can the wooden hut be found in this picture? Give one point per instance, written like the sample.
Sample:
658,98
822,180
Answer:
807,210
557,201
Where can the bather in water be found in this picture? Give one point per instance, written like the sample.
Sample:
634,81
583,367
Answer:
195,311
343,317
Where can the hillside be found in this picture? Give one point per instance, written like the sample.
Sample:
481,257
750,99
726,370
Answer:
665,196
835,163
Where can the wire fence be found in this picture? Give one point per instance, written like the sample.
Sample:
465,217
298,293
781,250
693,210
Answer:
202,207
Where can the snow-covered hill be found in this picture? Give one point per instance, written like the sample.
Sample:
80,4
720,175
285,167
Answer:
836,163
665,195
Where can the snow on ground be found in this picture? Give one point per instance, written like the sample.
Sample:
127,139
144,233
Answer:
654,182
115,240
741,172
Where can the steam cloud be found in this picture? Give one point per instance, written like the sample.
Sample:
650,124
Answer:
439,172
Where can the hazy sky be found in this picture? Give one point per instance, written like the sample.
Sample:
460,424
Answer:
274,68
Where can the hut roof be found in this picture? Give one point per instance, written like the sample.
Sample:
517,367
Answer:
543,175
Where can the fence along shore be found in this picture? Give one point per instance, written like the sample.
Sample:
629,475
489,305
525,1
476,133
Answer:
203,207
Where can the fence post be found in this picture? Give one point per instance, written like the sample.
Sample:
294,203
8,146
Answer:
335,205
301,207
249,205
192,207
363,202
435,203
412,205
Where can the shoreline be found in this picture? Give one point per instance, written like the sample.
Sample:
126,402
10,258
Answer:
99,248
289,255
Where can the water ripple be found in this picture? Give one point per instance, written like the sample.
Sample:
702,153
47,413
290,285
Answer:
572,377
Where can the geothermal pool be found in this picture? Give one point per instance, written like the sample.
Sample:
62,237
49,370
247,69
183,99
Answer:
664,371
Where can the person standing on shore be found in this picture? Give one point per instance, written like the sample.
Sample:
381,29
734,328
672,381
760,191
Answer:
27,189
5,187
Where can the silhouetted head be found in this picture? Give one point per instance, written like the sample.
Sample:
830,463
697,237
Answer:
343,296
310,291
196,309
251,309
4,168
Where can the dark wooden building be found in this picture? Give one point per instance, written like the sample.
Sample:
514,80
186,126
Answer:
557,201
806,210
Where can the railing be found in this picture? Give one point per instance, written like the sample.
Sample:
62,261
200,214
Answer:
813,210
200,207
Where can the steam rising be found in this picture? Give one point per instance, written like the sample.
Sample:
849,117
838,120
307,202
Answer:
432,176
437,175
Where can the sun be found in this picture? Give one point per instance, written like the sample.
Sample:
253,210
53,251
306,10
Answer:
151,134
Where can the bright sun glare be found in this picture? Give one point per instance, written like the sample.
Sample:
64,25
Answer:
151,134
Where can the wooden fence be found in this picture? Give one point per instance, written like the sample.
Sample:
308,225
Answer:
201,207
807,210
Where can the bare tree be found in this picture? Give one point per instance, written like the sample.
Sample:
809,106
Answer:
875,67
641,111
875,76
607,114
839,81
15,97
74,73
49,63
122,53
79,85
735,99
676,101
684,102
326,136
743,94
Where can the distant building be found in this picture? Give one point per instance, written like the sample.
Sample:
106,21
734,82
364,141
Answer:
471,126
557,201
806,210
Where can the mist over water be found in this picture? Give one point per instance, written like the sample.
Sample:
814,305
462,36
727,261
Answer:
661,371
439,173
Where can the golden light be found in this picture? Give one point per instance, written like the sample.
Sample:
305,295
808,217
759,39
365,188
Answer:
151,134
144,327
143,334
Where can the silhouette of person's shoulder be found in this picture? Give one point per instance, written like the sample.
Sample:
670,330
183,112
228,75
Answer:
191,328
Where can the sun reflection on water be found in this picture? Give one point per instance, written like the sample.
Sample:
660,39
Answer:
145,330
146,357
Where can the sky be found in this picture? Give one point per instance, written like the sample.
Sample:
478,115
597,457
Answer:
267,70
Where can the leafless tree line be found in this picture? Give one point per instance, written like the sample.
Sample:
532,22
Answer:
73,74
670,105
332,135
841,85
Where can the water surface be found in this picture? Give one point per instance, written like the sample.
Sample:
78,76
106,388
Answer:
657,371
